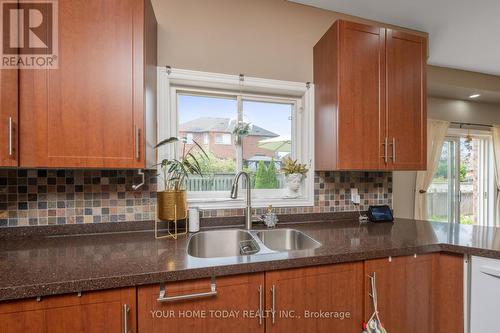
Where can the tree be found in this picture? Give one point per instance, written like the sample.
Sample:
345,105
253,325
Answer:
272,180
214,165
261,175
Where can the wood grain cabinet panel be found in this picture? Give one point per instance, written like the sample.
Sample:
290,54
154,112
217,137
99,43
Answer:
91,110
239,294
404,288
448,293
406,100
9,135
92,312
369,99
418,294
304,296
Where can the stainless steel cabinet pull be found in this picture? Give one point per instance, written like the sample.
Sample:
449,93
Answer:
260,305
393,150
138,143
11,148
386,143
273,310
164,298
126,310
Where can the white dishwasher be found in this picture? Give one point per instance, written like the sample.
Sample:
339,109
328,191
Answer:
485,295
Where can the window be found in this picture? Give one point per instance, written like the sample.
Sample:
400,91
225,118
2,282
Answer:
207,108
223,139
460,191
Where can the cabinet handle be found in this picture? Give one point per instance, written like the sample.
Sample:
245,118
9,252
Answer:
164,298
260,305
126,310
11,148
393,150
385,144
273,297
138,143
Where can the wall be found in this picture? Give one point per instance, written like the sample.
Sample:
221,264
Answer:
443,109
263,38
47,197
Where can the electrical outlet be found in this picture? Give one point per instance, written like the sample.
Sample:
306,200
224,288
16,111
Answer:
355,198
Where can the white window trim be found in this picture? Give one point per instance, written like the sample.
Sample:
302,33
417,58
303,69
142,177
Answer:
171,79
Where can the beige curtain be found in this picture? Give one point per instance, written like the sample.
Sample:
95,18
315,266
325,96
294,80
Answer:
436,131
495,133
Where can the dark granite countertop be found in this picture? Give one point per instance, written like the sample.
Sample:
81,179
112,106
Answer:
63,264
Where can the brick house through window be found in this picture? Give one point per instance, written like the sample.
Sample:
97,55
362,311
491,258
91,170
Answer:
215,135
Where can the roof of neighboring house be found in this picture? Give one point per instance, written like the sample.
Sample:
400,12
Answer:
223,125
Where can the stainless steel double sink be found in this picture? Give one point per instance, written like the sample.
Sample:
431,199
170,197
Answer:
237,242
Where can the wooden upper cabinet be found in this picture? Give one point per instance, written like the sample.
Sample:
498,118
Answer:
9,151
91,111
406,100
363,77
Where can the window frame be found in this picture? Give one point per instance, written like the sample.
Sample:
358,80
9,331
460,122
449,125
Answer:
171,82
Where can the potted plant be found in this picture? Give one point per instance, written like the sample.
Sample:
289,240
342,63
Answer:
294,173
241,130
172,201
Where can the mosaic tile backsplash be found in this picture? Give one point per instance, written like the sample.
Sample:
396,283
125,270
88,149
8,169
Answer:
41,197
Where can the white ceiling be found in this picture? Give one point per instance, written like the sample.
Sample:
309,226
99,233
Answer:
464,34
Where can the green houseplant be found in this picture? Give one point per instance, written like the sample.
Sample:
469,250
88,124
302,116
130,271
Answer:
172,201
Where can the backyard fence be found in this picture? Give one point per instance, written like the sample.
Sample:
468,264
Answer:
220,182
438,201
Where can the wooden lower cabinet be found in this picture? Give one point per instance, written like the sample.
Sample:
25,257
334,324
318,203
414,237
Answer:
418,294
317,299
237,295
92,312
448,293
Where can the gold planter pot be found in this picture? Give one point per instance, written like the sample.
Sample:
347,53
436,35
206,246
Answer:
172,205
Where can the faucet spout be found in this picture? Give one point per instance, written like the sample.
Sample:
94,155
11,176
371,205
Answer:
234,195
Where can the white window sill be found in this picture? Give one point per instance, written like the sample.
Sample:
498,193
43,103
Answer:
228,203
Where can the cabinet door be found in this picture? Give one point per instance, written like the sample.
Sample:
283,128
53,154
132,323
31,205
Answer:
233,309
317,299
404,288
89,111
92,312
406,100
448,293
361,115
8,118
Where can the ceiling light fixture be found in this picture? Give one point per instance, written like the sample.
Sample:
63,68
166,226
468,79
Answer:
474,96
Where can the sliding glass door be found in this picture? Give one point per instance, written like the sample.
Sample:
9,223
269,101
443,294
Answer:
461,191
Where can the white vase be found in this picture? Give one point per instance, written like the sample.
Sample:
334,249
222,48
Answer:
293,182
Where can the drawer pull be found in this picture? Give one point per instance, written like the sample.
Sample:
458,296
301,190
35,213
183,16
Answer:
490,271
164,298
